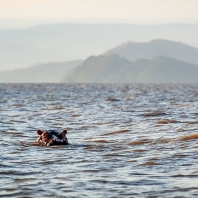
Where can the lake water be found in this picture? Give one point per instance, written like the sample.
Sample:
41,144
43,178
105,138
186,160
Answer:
126,140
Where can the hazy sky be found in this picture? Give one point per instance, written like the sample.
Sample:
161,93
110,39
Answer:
18,12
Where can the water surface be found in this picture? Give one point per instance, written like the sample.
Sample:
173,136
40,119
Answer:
126,140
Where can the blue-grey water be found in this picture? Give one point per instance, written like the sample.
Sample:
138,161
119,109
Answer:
126,140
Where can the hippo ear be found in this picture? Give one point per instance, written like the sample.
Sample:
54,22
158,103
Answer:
39,132
64,131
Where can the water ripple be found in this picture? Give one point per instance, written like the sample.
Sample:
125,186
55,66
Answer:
126,140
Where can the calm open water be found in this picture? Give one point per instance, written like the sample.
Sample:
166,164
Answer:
126,140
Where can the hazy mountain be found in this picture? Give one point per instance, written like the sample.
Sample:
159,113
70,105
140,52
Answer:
41,73
114,69
57,43
133,51
169,70
97,69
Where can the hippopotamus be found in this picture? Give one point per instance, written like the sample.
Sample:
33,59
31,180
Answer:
52,137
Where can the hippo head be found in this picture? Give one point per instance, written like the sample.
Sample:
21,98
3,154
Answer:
43,135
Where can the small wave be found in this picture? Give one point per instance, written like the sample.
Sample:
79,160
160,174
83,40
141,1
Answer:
188,176
139,142
17,115
182,105
12,121
55,107
140,150
149,163
155,113
19,180
75,115
163,141
18,134
112,99
179,155
196,94
127,98
112,155
166,121
92,171
195,122
99,141
189,137
85,127
178,175
116,132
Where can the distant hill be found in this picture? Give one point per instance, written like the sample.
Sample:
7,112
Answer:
115,69
97,69
133,51
41,73
21,48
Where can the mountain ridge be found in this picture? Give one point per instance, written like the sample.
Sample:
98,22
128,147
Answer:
115,66
60,42
157,70
40,73
158,47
